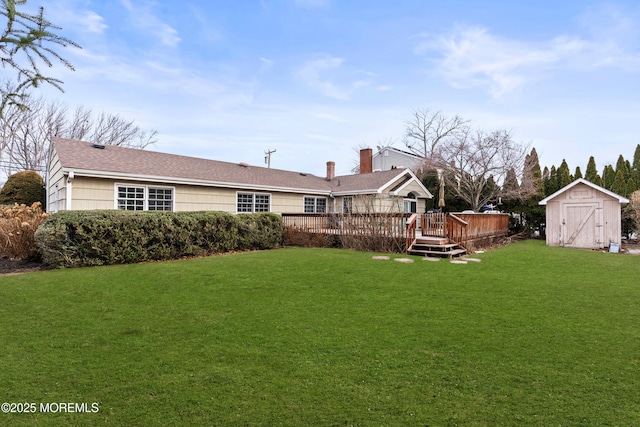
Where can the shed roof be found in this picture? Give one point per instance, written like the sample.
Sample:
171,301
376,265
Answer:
588,183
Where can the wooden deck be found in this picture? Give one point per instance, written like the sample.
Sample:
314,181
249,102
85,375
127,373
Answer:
443,234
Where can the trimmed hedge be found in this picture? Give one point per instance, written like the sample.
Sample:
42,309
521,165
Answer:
83,238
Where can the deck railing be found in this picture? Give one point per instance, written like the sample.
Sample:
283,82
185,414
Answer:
411,230
402,228
373,231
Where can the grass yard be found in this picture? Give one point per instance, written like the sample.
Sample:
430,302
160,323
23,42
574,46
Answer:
532,335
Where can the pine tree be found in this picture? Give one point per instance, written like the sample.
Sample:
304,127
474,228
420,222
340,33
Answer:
608,176
27,41
563,175
532,176
591,174
631,187
578,173
635,167
619,184
623,166
551,183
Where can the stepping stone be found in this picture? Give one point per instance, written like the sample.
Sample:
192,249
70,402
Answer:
430,258
479,252
457,261
405,260
381,258
472,259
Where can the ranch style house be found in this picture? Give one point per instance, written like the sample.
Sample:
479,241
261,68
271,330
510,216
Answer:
85,176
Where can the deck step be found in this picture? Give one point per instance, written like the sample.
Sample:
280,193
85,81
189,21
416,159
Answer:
448,253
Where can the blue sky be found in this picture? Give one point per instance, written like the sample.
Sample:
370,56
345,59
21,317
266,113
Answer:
317,79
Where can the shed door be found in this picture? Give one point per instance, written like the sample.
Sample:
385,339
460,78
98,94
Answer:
582,225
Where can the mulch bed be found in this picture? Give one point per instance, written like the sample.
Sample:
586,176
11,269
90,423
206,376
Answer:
15,266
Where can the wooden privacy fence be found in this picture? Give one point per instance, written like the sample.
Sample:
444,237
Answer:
485,226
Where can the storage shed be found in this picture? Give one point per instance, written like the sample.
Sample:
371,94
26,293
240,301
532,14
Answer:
583,215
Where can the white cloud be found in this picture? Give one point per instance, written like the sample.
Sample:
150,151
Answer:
473,57
91,21
143,18
321,74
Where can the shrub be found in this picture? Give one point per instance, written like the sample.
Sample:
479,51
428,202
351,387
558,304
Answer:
82,238
25,187
17,227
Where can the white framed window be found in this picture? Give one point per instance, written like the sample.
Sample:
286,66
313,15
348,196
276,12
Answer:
253,202
132,197
315,204
160,199
347,205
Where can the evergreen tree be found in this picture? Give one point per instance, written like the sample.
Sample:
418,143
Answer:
563,175
551,183
635,167
591,174
623,166
26,44
631,187
512,189
26,187
619,184
608,176
532,176
531,213
578,173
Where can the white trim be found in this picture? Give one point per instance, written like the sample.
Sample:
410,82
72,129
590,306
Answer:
315,205
67,194
621,199
204,183
253,208
145,201
56,194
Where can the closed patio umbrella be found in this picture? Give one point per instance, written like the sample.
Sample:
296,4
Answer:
441,195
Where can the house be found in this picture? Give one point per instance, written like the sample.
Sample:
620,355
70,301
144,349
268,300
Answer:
388,158
583,215
85,176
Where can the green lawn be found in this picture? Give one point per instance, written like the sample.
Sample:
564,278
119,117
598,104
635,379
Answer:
294,337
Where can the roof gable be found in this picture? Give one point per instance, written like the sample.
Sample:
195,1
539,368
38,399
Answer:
585,182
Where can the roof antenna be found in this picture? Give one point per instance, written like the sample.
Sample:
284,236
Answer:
267,157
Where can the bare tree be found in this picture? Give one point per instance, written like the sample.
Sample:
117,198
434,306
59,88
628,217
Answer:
427,131
25,133
474,161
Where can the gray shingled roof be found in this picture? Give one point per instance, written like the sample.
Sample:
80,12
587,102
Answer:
82,157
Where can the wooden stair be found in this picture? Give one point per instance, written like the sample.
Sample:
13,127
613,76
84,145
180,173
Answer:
436,246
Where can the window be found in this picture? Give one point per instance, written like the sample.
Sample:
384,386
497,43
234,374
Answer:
160,199
131,198
347,205
315,205
252,202
134,198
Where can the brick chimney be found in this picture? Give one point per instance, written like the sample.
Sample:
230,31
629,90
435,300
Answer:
366,160
331,170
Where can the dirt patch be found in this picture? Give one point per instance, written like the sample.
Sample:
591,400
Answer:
17,266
